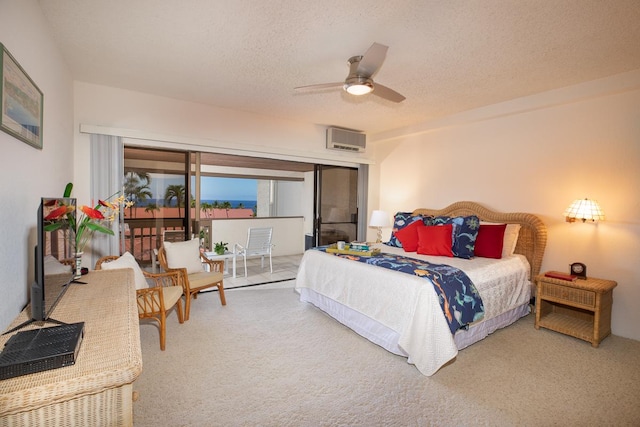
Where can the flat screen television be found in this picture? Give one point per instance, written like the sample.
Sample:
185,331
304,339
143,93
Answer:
54,257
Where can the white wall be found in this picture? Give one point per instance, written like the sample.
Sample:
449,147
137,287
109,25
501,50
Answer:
27,173
288,236
537,155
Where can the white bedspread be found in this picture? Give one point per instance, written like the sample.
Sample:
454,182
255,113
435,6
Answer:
408,304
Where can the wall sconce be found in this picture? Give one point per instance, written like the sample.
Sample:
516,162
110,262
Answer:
584,209
379,219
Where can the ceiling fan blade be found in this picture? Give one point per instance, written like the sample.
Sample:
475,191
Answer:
387,93
320,86
372,60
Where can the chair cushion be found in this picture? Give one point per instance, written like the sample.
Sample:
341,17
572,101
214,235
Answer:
128,261
203,279
184,255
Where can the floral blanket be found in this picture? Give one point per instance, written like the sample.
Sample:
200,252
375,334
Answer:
458,296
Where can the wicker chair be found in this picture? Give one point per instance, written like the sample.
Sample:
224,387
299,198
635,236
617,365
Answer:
154,302
196,281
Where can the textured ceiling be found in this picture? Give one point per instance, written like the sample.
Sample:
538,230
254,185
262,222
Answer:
444,56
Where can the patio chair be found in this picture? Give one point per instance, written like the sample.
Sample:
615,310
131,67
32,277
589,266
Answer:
153,301
186,258
258,244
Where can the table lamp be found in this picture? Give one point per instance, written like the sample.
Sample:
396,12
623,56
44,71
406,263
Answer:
379,219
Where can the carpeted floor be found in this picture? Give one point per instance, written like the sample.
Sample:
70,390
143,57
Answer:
267,359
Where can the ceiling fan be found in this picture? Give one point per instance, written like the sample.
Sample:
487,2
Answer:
360,79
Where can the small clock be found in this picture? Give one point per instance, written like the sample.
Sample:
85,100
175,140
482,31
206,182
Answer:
578,269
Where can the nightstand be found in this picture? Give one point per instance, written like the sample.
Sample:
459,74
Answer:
580,308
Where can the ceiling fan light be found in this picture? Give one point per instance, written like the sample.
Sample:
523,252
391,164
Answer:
359,88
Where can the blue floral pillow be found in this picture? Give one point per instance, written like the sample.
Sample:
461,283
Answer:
465,232
400,221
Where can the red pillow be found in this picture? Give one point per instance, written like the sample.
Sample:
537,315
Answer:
408,236
435,240
489,241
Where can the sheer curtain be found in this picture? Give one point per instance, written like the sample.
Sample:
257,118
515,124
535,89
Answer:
107,176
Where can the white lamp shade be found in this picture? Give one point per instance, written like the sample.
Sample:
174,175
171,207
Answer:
379,219
585,210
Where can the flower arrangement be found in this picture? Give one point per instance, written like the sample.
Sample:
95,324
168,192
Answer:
90,219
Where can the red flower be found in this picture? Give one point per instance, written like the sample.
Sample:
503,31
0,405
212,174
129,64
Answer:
91,212
57,213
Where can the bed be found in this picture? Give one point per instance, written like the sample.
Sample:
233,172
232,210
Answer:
402,312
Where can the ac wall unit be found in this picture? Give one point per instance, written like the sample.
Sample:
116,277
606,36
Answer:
346,140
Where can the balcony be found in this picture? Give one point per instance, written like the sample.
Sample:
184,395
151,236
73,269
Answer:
145,234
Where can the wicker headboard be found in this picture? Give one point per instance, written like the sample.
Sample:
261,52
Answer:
533,233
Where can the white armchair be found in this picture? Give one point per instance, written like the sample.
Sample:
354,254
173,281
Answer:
258,244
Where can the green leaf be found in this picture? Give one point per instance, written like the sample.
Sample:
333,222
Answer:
53,226
99,228
67,190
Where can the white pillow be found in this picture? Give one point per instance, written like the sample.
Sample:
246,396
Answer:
510,239
184,255
128,261
53,266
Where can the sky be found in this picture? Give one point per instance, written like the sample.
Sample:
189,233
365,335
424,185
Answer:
222,189
213,188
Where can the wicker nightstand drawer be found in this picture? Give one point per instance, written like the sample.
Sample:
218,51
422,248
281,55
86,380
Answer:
567,294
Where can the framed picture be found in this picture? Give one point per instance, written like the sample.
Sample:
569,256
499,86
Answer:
20,101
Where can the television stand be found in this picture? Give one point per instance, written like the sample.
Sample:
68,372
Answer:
98,387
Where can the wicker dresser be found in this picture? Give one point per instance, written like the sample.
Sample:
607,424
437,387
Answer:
581,308
97,390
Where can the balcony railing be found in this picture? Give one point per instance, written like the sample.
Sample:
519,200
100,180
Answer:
144,235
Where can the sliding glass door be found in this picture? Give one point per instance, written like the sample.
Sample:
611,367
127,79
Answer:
157,181
336,204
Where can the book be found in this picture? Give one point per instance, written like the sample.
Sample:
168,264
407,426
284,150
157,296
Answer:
360,246
560,275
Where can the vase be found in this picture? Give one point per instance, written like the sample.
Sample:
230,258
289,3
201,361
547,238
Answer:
78,270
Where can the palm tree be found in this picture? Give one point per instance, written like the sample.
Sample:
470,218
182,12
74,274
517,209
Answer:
175,192
226,206
215,205
152,207
206,207
136,187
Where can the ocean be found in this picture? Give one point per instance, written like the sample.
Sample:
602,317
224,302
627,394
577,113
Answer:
247,204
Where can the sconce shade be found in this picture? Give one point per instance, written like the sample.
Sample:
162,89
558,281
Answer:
584,209
379,219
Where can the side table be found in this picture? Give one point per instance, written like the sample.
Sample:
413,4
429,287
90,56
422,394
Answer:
225,257
580,308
